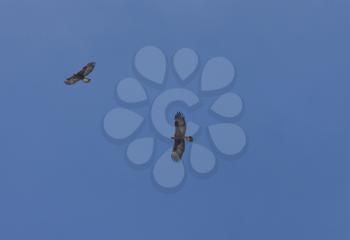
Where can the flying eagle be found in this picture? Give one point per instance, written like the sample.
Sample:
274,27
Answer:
179,137
81,75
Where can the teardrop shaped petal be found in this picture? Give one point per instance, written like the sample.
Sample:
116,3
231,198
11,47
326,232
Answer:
140,151
167,172
202,159
150,62
185,62
228,105
130,90
218,73
228,138
120,123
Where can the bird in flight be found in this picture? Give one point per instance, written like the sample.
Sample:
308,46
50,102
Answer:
81,75
179,137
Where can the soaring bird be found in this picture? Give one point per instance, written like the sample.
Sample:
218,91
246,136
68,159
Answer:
81,75
179,137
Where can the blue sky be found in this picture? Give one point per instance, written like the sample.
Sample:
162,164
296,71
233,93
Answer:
60,178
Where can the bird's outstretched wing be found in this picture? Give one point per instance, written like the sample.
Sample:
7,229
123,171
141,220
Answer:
72,79
87,69
179,141
81,75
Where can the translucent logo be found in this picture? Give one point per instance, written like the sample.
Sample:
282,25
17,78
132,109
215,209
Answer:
150,100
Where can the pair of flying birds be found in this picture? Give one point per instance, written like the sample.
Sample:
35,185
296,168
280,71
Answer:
180,124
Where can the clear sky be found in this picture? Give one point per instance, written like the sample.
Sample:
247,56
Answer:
61,177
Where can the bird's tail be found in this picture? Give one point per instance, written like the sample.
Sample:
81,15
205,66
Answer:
189,138
86,80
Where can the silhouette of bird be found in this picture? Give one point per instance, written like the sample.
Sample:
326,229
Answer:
179,137
81,75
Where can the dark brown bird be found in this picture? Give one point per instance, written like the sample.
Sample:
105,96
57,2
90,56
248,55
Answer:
81,75
179,137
